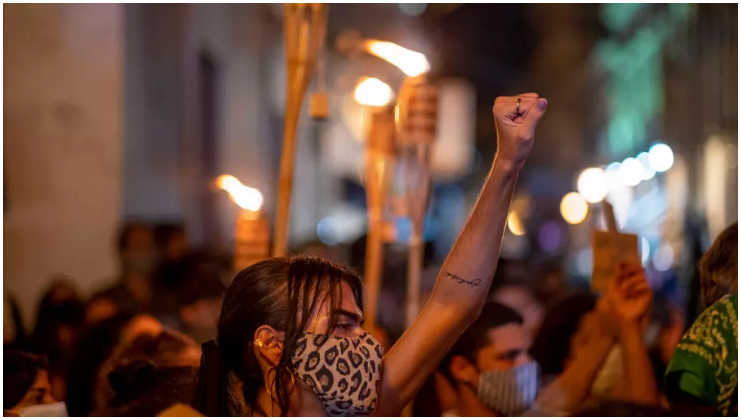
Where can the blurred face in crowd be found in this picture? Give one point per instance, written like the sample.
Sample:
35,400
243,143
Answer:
138,252
39,393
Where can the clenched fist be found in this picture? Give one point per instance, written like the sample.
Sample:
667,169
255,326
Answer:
516,128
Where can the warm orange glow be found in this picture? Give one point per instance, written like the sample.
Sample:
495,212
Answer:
373,92
245,197
410,62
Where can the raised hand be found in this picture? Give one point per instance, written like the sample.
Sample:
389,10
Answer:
629,295
516,128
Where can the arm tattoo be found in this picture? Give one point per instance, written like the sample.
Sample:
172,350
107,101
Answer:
461,280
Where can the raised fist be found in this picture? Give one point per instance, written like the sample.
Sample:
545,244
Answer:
516,127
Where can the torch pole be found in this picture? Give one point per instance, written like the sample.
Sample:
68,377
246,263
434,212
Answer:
302,27
378,159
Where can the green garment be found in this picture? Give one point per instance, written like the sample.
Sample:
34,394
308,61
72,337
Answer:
705,362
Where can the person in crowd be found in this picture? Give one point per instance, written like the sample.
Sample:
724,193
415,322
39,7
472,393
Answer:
493,373
149,375
550,285
492,355
59,320
97,343
552,346
521,298
290,330
702,377
26,386
200,300
171,241
133,289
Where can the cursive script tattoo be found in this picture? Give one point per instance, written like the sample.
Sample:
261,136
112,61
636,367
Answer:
461,280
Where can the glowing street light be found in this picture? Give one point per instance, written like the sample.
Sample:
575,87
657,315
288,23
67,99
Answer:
373,92
648,171
574,208
514,223
660,157
631,172
592,184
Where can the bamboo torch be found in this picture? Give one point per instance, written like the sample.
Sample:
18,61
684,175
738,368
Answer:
416,126
304,26
251,233
379,167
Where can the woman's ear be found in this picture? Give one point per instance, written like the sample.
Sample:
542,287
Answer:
268,343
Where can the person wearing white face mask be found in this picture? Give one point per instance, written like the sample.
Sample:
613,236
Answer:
490,366
494,375
26,387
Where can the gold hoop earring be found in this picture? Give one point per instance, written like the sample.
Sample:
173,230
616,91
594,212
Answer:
259,343
290,374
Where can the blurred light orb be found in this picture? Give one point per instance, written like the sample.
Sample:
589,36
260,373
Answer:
592,184
648,171
574,208
373,92
660,157
326,230
551,237
663,258
413,9
514,223
645,250
631,172
614,181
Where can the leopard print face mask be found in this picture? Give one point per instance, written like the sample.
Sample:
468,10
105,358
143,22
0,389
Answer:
343,372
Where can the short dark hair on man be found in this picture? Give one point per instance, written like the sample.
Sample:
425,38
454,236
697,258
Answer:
493,315
19,373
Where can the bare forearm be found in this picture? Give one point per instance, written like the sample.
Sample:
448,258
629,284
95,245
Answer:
639,375
467,273
575,383
458,296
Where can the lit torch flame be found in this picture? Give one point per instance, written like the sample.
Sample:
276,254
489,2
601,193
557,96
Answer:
245,197
373,92
410,62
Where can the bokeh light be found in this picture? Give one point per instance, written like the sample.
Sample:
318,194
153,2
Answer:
648,171
574,208
664,258
592,184
413,9
373,92
631,172
551,237
514,223
614,181
660,157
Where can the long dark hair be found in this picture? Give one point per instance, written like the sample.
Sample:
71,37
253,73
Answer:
282,293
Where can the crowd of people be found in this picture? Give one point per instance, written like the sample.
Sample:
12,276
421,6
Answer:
176,334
